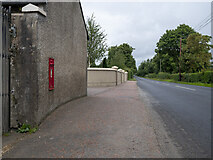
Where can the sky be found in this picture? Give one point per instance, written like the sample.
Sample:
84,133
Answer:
141,24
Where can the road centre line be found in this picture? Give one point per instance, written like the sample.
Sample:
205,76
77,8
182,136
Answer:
186,88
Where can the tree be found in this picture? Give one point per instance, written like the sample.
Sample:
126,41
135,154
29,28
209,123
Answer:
96,45
146,67
118,60
168,47
111,53
104,63
196,56
195,52
124,51
121,56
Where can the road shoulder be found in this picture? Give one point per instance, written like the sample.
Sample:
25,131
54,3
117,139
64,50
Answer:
167,146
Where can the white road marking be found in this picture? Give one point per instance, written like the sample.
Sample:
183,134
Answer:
186,88
161,83
165,84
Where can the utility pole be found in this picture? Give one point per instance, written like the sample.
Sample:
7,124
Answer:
179,61
160,65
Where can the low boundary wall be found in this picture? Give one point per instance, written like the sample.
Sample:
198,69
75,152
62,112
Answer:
105,77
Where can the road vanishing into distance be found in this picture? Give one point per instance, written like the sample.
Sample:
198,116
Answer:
186,113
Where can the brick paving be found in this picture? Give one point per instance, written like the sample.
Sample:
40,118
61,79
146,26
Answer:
108,123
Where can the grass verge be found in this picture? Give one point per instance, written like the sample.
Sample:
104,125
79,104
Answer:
189,83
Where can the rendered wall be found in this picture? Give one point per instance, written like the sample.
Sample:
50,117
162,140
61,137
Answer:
24,70
119,74
104,77
60,35
123,76
63,31
101,77
126,76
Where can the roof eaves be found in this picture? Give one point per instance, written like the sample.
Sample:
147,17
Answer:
84,20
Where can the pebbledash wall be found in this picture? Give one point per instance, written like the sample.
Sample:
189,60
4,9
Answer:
61,35
105,77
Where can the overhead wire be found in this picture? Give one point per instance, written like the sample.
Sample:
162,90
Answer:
204,23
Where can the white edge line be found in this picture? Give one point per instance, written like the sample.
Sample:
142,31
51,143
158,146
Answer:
186,88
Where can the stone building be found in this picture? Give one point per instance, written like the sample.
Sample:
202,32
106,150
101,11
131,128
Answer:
42,33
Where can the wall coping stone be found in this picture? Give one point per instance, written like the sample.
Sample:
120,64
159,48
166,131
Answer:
101,69
115,67
33,8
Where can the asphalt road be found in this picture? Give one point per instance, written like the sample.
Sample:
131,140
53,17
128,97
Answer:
186,113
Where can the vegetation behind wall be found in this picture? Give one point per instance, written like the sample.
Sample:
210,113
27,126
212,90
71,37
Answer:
203,77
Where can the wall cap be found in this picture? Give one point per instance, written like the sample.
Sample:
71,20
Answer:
115,67
101,69
33,8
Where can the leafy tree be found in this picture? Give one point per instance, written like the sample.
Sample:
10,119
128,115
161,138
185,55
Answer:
104,64
141,69
196,56
145,68
111,53
156,64
168,47
195,52
121,56
124,51
93,65
96,45
118,60
127,50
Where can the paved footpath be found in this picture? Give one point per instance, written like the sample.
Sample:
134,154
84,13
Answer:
109,123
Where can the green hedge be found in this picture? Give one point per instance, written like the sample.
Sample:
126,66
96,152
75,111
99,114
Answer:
152,75
175,77
163,75
207,77
203,77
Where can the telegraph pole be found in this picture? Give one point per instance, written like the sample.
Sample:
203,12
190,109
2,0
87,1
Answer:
179,61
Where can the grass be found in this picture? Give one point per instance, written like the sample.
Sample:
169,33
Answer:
189,83
27,128
132,79
6,134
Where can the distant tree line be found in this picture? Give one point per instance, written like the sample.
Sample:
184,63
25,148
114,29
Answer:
195,53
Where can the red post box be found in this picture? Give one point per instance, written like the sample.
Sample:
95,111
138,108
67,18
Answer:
51,73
